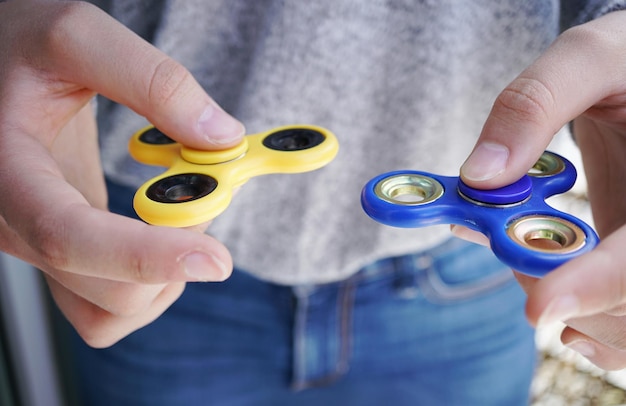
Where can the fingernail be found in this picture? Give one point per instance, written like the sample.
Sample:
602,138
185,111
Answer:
584,348
560,309
486,162
204,267
218,126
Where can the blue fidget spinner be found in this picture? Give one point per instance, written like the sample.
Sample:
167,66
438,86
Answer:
525,232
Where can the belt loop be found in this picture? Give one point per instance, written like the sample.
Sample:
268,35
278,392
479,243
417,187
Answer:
406,281
321,351
422,262
301,299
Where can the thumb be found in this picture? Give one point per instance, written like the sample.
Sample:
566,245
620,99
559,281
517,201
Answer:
115,62
573,74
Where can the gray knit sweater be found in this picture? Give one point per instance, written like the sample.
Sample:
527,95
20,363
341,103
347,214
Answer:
404,84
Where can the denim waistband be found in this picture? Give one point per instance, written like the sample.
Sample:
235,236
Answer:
413,262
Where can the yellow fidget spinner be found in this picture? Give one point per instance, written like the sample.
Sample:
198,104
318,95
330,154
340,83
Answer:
198,185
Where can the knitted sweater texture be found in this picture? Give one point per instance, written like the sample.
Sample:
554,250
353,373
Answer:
403,84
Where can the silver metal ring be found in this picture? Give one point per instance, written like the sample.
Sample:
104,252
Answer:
548,164
409,189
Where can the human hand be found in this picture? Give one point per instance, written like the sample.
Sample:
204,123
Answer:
582,76
110,275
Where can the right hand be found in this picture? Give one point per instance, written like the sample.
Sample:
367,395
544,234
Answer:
580,77
110,275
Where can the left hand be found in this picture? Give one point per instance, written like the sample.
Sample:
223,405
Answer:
581,77
110,275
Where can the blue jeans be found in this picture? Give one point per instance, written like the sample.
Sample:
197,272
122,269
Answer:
441,327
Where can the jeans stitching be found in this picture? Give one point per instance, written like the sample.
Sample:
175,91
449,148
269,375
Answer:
436,291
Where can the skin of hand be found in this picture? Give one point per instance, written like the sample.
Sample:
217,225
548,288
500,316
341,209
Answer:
110,275
581,77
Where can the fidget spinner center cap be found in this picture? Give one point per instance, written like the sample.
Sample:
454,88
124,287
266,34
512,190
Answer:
203,157
512,194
